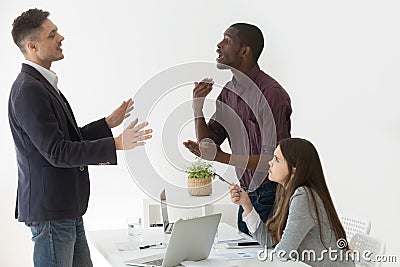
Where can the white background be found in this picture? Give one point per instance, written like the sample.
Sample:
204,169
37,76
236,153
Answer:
338,60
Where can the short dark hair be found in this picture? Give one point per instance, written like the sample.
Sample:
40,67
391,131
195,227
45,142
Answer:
252,36
27,27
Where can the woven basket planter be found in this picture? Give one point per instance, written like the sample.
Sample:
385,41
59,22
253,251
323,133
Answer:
200,186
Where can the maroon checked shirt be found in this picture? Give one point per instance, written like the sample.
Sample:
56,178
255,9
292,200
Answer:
253,112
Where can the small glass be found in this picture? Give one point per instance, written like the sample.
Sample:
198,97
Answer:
134,226
135,231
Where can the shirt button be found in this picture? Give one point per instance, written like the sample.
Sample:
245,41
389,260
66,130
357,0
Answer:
81,168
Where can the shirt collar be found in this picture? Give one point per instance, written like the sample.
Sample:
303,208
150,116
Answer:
245,83
50,76
253,72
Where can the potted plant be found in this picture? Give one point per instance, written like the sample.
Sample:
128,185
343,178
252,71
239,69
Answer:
200,175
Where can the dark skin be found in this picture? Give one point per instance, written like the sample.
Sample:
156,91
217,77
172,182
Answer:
237,57
233,54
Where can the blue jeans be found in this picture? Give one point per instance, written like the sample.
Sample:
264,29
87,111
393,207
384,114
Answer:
60,243
263,202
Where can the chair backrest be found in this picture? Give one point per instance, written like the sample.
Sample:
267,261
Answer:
229,212
353,225
368,248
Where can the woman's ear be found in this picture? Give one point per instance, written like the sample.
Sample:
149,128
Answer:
293,172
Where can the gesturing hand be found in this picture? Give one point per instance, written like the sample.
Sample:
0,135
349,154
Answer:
207,149
200,91
193,147
132,136
121,113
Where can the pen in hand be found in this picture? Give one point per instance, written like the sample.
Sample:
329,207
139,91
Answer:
222,179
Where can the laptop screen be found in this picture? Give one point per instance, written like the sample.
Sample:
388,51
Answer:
190,240
164,211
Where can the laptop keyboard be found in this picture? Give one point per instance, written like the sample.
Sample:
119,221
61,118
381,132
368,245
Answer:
157,262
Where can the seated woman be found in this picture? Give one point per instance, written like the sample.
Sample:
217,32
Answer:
304,224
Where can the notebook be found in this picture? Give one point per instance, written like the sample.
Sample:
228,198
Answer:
191,240
164,214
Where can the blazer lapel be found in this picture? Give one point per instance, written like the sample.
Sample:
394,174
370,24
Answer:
70,114
53,91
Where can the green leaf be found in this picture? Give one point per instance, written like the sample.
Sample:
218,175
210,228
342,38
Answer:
200,169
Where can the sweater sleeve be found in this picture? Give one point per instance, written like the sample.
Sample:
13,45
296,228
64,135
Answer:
252,220
258,229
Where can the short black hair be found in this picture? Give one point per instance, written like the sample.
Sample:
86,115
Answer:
252,36
27,27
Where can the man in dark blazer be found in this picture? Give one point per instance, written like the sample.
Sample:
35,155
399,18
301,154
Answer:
52,151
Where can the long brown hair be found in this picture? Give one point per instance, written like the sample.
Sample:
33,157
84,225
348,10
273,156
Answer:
303,156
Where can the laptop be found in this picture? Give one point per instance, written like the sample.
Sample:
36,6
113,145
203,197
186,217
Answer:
191,240
164,214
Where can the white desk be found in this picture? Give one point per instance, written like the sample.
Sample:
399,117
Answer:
104,241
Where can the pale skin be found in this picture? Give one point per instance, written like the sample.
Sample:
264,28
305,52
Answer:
47,49
278,172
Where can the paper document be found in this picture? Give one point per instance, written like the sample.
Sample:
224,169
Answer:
124,246
208,262
234,238
240,255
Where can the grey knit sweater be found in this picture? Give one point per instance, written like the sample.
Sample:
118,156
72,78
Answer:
301,238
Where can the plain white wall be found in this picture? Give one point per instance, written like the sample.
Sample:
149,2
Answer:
338,60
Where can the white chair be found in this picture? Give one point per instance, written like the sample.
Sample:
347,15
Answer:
152,212
367,248
229,212
353,225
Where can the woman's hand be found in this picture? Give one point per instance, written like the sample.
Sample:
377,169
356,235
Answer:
240,197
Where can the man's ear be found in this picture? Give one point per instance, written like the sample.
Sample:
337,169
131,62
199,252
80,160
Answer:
31,46
246,51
